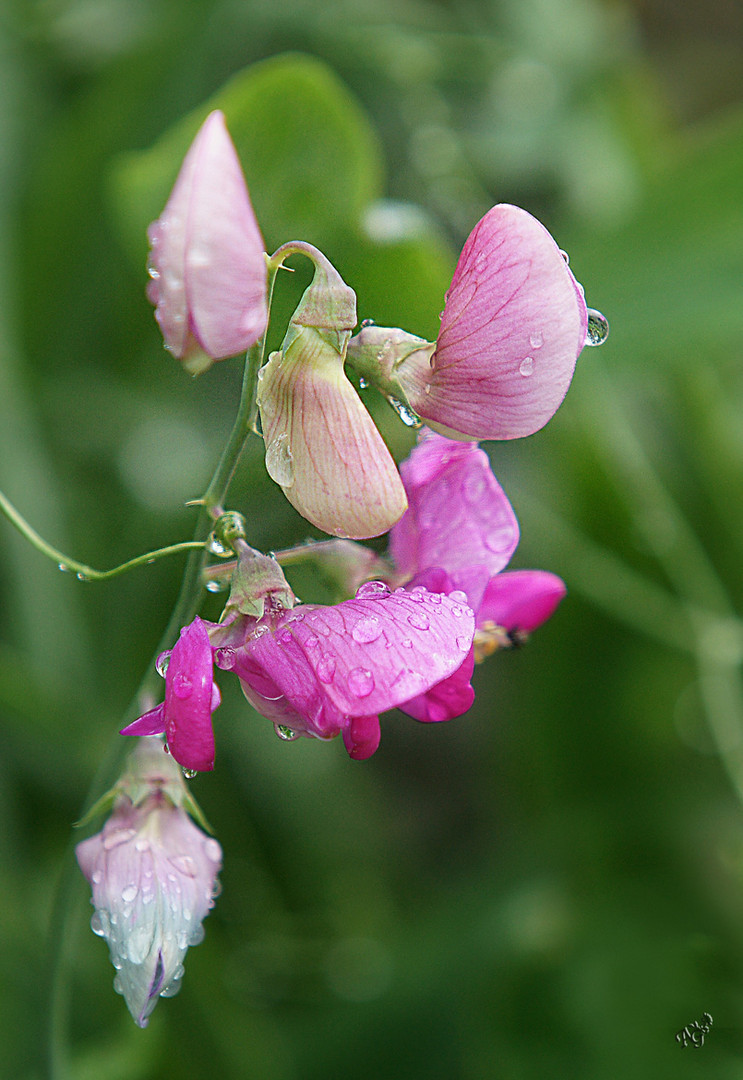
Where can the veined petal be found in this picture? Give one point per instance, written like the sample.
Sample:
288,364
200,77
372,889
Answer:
513,326
458,517
322,447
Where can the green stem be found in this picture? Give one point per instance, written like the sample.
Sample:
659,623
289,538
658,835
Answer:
65,918
83,571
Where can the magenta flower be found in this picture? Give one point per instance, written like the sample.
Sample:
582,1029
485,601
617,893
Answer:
459,533
207,264
191,696
154,878
513,325
320,671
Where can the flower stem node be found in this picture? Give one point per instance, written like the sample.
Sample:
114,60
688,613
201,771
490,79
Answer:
228,528
153,875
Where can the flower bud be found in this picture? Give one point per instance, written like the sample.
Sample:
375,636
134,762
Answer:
154,878
207,264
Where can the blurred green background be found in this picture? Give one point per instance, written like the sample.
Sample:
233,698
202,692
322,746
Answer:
553,884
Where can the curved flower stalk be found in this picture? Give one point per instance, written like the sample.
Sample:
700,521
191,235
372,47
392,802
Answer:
322,446
459,533
513,325
207,263
191,696
153,875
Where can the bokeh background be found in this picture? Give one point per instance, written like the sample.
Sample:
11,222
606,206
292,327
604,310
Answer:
553,884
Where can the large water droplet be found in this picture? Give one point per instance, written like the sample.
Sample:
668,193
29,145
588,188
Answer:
326,669
161,665
598,328
129,893
182,686
216,547
372,588
526,367
408,416
190,773
286,734
536,340
279,461
366,630
97,924
360,682
419,620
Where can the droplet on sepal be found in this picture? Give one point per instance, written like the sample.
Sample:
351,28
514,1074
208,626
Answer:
598,328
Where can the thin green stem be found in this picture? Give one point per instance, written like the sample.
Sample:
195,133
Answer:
83,571
65,919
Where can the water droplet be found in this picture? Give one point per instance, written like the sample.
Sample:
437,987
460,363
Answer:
536,340
372,588
565,256
197,935
286,734
598,328
367,322
279,461
406,643
118,985
366,630
182,686
419,620
225,659
464,643
434,598
161,666
96,877
360,682
459,597
406,414
285,637
84,577
190,773
216,547
153,272
213,850
129,893
312,642
215,585
97,924
142,845
185,865
363,384
326,669
526,367
63,567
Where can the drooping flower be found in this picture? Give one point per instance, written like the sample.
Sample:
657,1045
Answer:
322,671
322,446
191,696
459,533
207,263
513,325
153,875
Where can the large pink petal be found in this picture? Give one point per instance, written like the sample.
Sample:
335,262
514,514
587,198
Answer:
189,684
511,331
458,516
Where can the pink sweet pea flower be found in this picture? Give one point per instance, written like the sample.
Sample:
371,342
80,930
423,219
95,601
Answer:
459,533
191,696
321,671
513,325
154,877
207,264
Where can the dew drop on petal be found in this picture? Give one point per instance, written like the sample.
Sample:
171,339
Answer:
464,643
286,734
129,893
279,461
119,836
213,850
326,669
565,256
366,630
162,664
360,682
190,773
598,328
372,588
182,686
406,643
419,620
96,924
408,416
185,864
458,596
536,340
526,367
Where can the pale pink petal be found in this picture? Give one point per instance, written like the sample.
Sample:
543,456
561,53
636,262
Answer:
513,325
458,516
322,447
